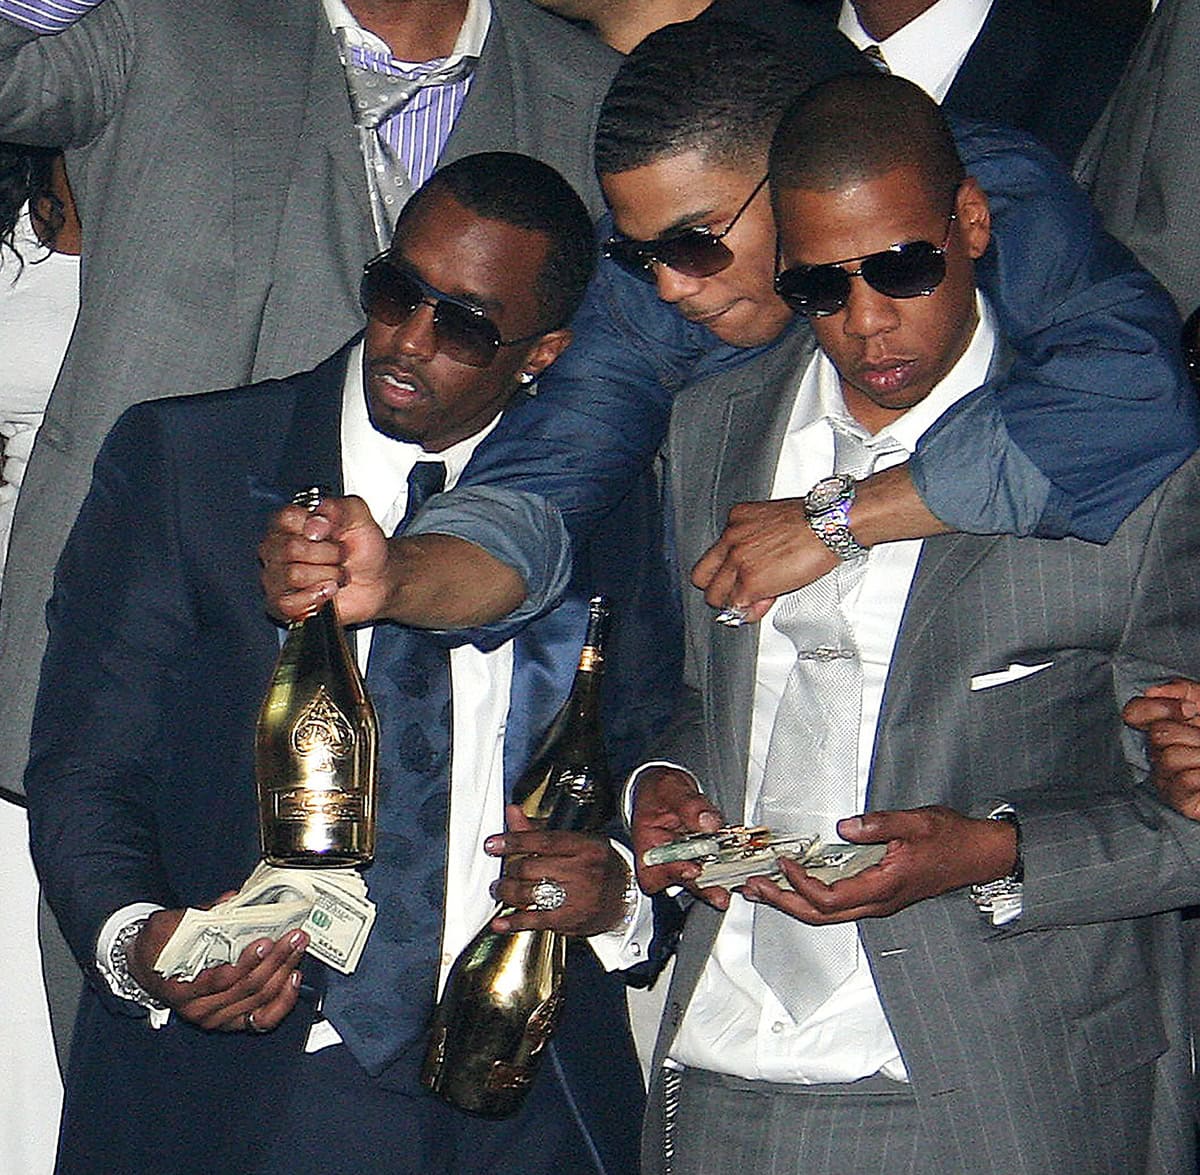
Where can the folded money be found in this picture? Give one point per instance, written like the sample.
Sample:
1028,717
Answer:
733,854
330,905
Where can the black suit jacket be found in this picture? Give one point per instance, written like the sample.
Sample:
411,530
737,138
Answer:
141,780
1032,67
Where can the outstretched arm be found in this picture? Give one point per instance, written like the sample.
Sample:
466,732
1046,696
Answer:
1094,412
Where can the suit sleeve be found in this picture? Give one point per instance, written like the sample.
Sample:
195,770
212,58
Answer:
1096,410
1103,849
1092,415
61,90
119,618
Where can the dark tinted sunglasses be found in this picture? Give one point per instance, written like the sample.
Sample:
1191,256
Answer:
695,252
911,270
463,332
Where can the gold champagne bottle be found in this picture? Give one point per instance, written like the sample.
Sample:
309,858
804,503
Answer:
316,747
504,993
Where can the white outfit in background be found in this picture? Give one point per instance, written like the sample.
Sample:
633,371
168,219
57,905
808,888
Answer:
37,313
38,304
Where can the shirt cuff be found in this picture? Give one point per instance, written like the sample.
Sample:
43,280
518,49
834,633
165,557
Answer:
111,964
629,791
628,944
45,16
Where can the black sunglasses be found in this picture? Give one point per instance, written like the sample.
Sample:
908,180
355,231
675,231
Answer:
695,252
463,332
910,270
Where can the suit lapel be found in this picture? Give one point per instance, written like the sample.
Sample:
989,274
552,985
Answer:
755,423
487,120
920,646
310,453
997,69
286,51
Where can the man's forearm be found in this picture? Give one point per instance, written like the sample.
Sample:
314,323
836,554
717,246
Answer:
887,507
1094,410
442,582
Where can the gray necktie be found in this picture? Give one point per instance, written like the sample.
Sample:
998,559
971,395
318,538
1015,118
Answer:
374,98
812,767
875,56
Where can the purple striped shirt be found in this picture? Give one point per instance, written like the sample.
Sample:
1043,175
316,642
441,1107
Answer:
45,16
418,132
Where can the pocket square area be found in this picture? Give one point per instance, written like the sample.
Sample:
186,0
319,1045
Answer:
1014,672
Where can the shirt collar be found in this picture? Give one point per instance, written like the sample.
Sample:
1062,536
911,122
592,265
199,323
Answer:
820,396
470,37
930,48
376,467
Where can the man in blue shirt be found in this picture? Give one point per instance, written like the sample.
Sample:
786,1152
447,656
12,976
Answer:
1092,415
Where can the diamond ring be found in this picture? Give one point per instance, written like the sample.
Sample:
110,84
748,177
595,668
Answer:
548,895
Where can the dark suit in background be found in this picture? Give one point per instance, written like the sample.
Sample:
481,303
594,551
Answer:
141,783
1058,1043
1036,68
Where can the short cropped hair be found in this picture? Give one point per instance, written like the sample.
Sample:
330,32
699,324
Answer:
711,86
526,193
860,127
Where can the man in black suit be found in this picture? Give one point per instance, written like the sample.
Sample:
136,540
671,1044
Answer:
1017,62
141,783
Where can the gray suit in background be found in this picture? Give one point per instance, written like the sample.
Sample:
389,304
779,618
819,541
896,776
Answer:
226,221
1139,163
1056,1044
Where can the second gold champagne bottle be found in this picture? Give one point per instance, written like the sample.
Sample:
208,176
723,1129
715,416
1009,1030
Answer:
504,993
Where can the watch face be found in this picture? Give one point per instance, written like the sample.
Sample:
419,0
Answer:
827,492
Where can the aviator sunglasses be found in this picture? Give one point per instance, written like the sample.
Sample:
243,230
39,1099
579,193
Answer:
463,332
694,252
913,269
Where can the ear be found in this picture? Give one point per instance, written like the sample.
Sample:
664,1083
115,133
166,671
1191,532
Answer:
974,217
544,352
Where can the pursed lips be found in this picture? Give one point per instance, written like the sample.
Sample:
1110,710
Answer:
886,374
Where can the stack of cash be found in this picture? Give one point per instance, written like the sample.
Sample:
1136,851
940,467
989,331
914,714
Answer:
732,855
330,905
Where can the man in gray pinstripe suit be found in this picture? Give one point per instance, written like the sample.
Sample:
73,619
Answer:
1012,999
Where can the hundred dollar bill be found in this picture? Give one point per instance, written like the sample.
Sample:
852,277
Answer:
330,905
735,853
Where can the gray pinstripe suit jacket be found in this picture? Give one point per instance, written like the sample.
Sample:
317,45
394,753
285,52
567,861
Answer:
1058,1044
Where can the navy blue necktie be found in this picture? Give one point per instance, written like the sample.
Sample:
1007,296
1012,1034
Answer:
384,1007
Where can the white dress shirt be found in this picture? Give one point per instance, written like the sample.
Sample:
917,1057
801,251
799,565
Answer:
931,47
734,1024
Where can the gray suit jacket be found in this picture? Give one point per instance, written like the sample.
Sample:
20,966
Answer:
1139,163
1058,1044
225,219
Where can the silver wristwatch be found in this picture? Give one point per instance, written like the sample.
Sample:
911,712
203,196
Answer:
827,508
1002,901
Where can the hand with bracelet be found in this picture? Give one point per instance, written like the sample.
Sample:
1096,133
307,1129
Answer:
252,995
